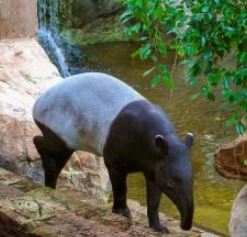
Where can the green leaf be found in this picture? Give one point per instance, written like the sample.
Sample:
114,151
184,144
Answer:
194,82
225,84
181,51
235,117
203,41
240,128
242,57
207,55
147,72
145,51
195,96
191,50
217,2
155,80
205,8
162,48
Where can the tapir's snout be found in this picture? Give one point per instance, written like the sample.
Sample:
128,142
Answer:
186,226
185,205
186,222
186,211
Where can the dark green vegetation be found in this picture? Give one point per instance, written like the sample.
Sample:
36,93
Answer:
203,33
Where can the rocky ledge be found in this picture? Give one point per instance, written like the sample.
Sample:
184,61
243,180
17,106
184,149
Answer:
28,209
231,159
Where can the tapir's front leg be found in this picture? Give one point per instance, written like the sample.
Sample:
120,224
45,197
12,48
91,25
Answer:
153,201
118,181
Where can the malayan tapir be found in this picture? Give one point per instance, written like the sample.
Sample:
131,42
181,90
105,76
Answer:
98,113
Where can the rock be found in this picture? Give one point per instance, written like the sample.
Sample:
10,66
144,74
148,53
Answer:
18,18
206,234
238,220
230,159
38,211
90,22
25,72
85,12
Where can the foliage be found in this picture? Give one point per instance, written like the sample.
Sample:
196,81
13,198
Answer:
204,32
65,13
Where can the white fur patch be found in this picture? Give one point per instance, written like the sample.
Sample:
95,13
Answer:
81,109
190,134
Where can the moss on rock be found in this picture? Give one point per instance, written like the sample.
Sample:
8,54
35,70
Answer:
102,30
39,211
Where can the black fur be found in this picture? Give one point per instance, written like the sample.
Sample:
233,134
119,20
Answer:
133,145
53,152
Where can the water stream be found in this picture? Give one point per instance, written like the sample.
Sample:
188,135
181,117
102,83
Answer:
49,37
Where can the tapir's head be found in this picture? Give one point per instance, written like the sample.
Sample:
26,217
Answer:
173,174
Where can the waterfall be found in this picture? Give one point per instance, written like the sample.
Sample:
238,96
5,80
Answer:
48,34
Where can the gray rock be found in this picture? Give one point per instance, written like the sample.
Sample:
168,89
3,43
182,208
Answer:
85,172
84,12
238,220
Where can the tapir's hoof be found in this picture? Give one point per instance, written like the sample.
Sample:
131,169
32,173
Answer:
160,228
123,212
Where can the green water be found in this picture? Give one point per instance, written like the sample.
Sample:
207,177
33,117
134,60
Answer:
213,194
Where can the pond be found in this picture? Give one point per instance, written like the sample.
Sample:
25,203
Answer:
213,194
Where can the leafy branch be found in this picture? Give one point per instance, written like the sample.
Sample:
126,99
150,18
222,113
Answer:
204,32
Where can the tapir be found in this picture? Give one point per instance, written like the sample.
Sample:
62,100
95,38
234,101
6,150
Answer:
100,114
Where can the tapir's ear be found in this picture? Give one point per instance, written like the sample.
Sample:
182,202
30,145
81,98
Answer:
161,144
189,140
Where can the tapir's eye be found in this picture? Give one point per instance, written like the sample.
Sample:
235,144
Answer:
170,183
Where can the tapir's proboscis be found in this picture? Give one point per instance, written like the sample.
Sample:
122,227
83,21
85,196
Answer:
100,114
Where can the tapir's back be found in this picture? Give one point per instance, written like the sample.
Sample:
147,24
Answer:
80,109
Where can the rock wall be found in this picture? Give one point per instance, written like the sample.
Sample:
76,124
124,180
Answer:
25,72
18,18
238,220
84,12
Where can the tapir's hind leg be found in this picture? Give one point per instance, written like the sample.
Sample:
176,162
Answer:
54,154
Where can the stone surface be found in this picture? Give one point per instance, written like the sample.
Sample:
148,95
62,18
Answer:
18,18
25,72
208,235
231,159
89,21
101,30
39,211
85,12
238,221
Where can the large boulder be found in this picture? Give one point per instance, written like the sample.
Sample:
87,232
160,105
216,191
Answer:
18,18
238,221
231,159
25,72
84,12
